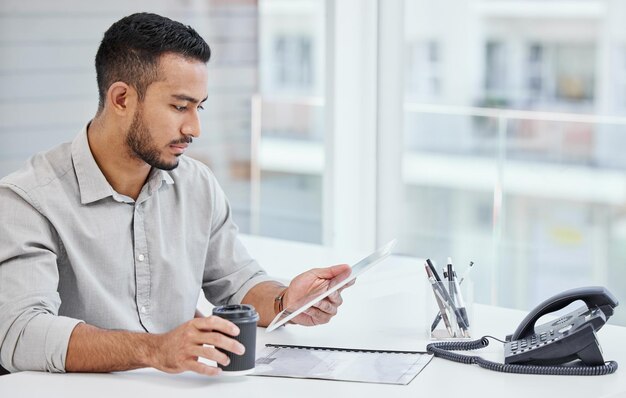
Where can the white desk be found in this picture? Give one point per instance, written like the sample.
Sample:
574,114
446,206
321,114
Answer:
391,317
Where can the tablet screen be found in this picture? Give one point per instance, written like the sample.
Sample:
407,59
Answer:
335,284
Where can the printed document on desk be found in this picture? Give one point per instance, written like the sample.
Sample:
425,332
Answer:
368,366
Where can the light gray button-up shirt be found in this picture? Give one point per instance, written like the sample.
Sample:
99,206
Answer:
72,249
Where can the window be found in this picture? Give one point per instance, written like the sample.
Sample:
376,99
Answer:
423,71
495,69
559,74
293,57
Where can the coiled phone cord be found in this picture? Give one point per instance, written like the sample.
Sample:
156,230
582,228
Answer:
443,350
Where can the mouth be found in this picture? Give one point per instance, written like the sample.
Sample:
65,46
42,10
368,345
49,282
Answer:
179,149
180,146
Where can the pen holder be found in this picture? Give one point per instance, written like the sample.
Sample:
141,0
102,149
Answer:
458,319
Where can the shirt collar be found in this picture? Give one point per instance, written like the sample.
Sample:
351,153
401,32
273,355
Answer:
92,184
156,179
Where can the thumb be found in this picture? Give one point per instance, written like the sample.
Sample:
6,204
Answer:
331,272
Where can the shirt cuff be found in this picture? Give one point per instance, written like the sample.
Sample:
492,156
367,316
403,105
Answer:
43,344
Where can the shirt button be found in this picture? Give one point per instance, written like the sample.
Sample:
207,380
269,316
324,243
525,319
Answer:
143,310
141,257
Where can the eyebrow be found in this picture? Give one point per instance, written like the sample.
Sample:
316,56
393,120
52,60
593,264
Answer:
184,97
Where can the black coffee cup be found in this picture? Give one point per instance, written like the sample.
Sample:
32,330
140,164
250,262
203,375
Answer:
245,317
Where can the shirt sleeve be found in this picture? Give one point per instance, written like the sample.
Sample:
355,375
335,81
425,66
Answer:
230,272
32,335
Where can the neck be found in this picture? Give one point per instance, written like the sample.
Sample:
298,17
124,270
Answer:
125,173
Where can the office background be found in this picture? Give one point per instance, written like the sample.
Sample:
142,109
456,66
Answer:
484,130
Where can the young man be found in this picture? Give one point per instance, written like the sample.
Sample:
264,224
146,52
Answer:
105,242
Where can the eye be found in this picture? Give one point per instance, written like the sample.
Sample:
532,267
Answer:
180,108
200,107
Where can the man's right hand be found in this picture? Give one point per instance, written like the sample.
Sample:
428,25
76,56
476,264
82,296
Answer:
92,349
178,350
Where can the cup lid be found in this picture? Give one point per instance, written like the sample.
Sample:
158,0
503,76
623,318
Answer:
236,312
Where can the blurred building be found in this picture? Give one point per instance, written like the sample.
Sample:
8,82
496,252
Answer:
535,197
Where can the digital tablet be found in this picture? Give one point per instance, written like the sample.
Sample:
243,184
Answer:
335,284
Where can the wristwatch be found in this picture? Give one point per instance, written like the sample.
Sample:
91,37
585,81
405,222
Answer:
278,302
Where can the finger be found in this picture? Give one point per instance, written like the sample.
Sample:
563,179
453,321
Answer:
335,298
216,323
211,353
221,341
352,282
304,320
202,368
326,306
331,272
318,316
347,285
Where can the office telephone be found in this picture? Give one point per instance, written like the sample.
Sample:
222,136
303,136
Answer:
566,345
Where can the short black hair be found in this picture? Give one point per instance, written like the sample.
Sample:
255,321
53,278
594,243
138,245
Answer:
131,48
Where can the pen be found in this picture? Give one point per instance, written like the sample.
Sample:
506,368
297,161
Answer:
433,270
450,275
440,301
465,275
460,304
444,293
467,271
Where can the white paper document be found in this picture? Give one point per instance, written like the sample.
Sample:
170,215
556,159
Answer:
369,366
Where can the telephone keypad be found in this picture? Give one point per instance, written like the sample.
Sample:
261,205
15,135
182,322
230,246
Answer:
531,342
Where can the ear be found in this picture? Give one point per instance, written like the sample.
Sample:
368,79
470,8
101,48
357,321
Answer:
121,98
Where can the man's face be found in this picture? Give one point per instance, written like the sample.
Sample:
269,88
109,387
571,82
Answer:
166,121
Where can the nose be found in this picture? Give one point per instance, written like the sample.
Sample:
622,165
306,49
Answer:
191,127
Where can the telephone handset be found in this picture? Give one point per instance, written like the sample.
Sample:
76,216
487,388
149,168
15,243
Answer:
570,337
553,347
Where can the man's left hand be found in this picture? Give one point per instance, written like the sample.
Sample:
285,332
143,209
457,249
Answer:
314,282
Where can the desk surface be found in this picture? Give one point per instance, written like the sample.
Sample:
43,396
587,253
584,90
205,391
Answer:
384,310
